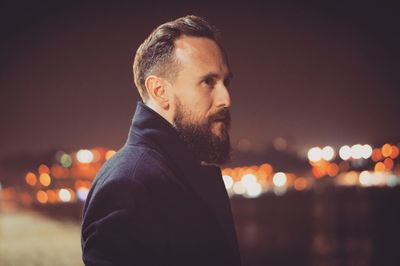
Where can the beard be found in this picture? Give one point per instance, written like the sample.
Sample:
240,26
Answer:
199,137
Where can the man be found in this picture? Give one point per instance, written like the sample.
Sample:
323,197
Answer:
161,200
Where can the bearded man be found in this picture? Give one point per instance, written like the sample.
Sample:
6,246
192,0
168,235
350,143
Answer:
160,200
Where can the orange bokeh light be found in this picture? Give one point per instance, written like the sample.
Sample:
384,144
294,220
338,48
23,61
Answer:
45,179
386,150
31,179
300,183
110,154
333,169
388,164
43,169
318,171
261,175
72,193
376,155
379,167
395,152
266,168
41,196
58,171
52,196
227,171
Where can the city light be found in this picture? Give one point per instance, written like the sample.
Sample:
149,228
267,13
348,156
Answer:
82,193
41,196
386,150
266,168
248,179
366,151
48,184
357,151
31,179
251,186
96,155
66,160
228,181
365,178
84,156
345,152
388,162
58,171
279,179
64,195
379,167
280,144
52,196
328,153
45,179
300,183
376,155
314,154
43,169
253,190
110,153
238,188
332,169
395,152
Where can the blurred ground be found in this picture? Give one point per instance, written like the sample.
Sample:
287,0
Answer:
28,238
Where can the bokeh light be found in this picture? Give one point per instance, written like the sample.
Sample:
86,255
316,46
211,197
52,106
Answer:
328,153
31,179
366,151
110,153
300,183
239,188
253,190
314,154
345,152
386,150
66,160
43,169
64,195
45,179
279,179
84,156
357,151
228,181
82,193
41,196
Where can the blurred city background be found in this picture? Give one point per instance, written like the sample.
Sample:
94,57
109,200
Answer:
315,173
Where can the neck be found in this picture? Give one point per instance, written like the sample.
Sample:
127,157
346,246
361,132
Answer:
167,114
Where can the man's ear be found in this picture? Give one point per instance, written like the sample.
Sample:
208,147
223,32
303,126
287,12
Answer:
157,90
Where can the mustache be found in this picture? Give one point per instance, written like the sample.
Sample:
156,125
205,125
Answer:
224,115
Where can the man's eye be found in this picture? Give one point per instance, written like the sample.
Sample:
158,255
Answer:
227,82
209,82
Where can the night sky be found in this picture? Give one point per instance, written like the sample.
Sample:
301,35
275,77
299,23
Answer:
315,74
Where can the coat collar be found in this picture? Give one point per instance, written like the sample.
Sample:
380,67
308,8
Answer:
150,129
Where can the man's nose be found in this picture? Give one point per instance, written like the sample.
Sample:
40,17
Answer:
224,98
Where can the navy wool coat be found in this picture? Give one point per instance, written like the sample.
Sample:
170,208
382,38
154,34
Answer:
152,203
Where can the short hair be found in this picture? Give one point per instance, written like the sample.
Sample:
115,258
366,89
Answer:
155,56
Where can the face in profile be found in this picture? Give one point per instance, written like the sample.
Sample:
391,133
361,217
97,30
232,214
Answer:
201,99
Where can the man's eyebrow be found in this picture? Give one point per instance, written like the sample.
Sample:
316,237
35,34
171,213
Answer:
229,75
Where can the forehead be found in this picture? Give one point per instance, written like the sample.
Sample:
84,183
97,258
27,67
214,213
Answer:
201,54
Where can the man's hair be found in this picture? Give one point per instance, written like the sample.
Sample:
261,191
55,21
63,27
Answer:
155,56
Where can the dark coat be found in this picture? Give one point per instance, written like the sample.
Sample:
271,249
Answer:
152,203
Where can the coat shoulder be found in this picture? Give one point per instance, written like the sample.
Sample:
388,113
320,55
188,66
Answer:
134,165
